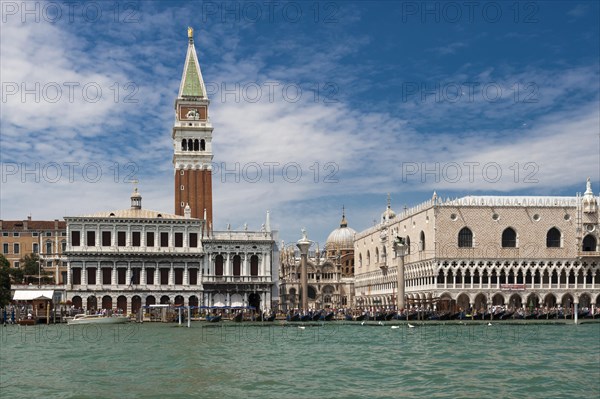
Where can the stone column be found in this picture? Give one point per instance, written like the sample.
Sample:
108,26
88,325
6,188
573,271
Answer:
143,275
113,275
245,271
128,274
227,271
400,247
186,278
83,274
69,272
171,275
303,245
98,274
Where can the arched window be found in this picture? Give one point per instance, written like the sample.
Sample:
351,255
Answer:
254,265
368,257
196,145
509,238
202,145
465,238
407,245
383,255
190,145
48,247
553,238
359,260
589,243
377,255
422,241
184,145
237,265
219,265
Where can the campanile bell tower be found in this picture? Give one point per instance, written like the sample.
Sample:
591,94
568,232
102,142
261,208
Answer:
192,142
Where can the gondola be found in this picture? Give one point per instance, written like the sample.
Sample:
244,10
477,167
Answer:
306,317
327,316
295,317
316,316
390,315
213,318
238,318
360,317
348,317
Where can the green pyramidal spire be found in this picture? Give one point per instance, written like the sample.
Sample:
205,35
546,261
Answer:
192,84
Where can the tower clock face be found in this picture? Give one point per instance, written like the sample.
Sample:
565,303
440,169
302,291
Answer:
192,113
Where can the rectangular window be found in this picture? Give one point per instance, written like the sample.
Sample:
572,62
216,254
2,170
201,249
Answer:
91,275
48,234
15,234
5,248
64,234
75,238
106,275
106,238
164,276
193,240
5,234
91,239
193,273
136,238
16,263
121,271
150,276
35,248
121,238
16,248
35,234
149,238
76,276
179,240
164,239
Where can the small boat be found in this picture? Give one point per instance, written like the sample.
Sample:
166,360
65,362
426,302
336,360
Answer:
361,317
238,318
295,317
306,317
213,318
316,316
97,319
326,316
348,317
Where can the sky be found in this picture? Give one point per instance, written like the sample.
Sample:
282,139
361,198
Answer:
315,105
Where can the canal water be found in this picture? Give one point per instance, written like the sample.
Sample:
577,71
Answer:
156,360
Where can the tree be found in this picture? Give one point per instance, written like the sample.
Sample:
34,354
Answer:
31,265
4,281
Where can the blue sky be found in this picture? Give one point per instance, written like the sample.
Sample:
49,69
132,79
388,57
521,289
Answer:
493,98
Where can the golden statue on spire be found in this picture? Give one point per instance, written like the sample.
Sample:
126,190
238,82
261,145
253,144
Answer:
190,32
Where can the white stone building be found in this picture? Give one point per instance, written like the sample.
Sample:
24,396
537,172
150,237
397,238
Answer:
482,250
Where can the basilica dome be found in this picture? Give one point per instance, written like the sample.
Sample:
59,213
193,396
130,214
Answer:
342,237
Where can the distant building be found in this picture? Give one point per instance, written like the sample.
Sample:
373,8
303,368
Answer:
330,272
47,238
482,250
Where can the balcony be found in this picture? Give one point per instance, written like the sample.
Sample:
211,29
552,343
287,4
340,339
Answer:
236,279
588,254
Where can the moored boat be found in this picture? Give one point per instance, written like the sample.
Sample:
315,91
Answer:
97,319
213,318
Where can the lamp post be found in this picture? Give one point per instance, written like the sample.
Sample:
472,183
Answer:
400,247
303,245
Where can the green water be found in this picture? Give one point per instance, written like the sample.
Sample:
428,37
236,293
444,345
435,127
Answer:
331,361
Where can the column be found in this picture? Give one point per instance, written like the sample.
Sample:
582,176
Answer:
245,271
227,271
98,274
128,274
267,269
69,274
171,275
186,280
113,275
143,275
227,299
83,274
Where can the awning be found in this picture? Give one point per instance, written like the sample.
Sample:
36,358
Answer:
30,295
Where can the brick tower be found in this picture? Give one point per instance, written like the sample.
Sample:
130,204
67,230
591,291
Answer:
192,142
